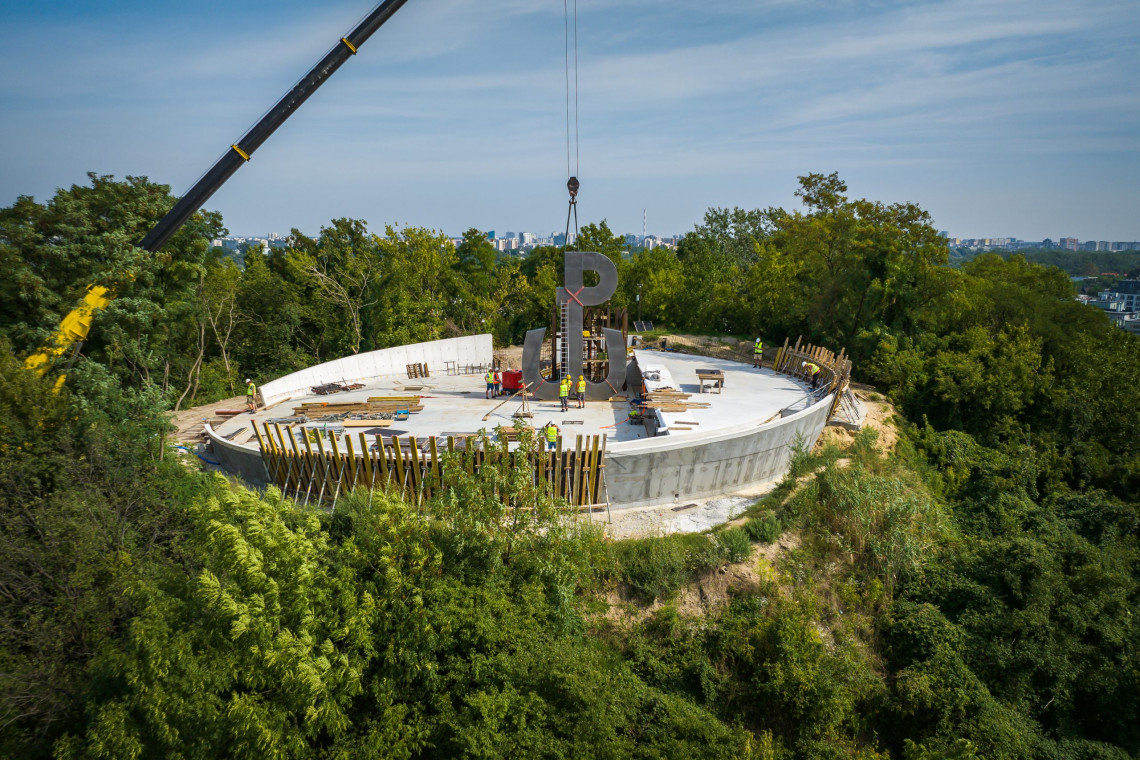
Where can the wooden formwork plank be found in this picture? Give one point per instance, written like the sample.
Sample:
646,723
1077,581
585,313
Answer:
350,463
281,476
576,469
311,456
593,469
324,478
436,478
397,452
382,456
288,469
417,474
556,467
302,462
341,464
366,460
567,474
266,455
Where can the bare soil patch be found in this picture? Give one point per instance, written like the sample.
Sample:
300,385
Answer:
191,423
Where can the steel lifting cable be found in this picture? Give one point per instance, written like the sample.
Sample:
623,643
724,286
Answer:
572,183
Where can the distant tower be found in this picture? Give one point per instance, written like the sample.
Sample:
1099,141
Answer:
643,218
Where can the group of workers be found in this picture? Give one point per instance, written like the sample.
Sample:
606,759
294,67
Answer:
812,369
564,387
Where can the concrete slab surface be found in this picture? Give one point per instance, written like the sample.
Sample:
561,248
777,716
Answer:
455,405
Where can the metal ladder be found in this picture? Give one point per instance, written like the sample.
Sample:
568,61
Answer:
564,347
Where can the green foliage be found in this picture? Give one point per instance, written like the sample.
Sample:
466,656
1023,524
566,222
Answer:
765,529
734,543
973,595
655,568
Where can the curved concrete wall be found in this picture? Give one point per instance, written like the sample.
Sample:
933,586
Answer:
387,362
658,471
239,460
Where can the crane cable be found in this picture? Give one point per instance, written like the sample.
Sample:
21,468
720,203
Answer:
571,183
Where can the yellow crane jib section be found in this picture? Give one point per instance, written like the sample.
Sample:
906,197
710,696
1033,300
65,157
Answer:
72,329
240,152
349,45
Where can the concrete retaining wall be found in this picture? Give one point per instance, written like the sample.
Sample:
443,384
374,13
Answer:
659,471
241,461
387,362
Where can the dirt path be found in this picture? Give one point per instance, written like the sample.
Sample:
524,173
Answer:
191,422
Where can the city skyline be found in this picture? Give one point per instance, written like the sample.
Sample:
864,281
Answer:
1014,116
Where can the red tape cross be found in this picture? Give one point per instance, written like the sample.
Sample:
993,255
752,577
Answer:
574,295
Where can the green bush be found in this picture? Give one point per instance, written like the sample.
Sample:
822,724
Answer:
764,529
654,568
735,545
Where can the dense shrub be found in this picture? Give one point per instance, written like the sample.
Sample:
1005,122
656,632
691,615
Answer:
765,529
734,544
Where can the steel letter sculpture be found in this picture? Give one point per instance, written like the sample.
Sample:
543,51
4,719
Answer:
571,300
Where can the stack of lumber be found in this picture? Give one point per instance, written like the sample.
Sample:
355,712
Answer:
510,433
327,388
374,405
672,401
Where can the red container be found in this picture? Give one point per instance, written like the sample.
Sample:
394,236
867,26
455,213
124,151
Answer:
512,380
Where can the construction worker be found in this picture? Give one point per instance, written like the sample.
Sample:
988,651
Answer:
498,384
581,392
564,393
250,396
551,435
490,378
758,353
813,371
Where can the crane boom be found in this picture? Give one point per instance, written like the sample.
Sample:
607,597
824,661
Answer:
74,327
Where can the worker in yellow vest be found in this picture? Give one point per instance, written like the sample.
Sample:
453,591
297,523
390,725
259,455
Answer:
551,431
581,392
564,393
490,378
758,353
250,396
813,372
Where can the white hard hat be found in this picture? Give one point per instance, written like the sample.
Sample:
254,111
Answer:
248,380
803,364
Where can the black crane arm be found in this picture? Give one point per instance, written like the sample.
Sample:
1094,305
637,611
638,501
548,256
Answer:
243,149
74,327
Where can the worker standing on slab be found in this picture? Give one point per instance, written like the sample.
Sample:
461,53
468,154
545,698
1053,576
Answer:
490,378
498,384
581,392
564,393
250,396
813,371
758,353
551,431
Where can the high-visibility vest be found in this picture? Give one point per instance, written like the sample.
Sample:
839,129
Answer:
564,389
551,434
497,380
812,368
759,348
581,386
490,378
250,389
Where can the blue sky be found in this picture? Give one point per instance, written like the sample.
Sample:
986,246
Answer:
1000,117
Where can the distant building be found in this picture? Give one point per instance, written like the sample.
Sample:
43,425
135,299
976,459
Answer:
1069,244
